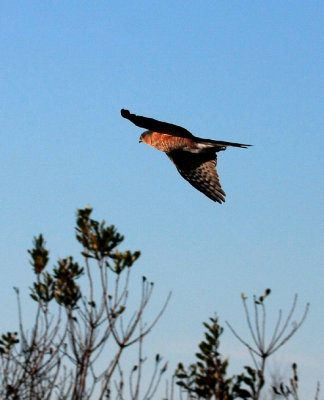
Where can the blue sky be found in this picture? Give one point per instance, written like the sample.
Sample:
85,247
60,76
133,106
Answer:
250,72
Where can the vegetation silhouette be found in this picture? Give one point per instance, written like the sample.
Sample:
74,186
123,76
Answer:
84,314
59,357
207,378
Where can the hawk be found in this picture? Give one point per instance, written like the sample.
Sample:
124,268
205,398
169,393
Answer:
195,158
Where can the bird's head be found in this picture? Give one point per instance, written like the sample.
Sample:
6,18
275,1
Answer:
146,137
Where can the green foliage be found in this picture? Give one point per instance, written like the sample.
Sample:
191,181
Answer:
67,292
100,241
61,284
254,380
7,342
39,254
207,378
290,390
43,289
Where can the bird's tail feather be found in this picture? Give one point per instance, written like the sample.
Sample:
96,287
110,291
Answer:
221,144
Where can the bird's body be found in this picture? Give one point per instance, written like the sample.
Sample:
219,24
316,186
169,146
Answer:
194,157
167,143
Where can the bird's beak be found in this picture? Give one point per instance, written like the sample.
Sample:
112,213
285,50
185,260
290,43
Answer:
140,140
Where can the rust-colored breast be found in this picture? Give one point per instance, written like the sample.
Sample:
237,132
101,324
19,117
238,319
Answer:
167,143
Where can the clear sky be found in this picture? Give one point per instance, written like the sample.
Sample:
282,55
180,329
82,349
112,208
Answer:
245,71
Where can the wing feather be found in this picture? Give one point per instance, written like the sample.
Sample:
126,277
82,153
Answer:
155,125
200,171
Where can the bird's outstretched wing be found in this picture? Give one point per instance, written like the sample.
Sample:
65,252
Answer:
199,169
155,125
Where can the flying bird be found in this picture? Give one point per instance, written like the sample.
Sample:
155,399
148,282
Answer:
195,158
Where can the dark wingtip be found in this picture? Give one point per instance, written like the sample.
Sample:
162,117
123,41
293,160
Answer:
124,113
